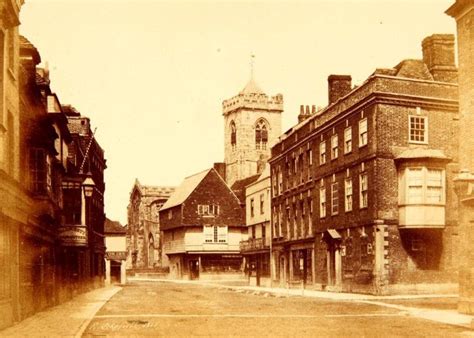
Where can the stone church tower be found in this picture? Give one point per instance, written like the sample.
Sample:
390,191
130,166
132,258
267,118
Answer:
252,125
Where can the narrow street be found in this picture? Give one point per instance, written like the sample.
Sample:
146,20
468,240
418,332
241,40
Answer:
170,309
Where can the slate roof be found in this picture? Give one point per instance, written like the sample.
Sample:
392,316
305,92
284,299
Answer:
252,88
185,189
114,227
239,186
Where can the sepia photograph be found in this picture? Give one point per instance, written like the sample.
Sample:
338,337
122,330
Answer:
236,168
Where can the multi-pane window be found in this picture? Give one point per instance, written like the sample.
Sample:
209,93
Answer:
418,129
262,203
347,140
215,234
322,202
322,152
363,190
38,170
334,199
310,157
363,132
208,210
424,186
334,146
280,181
348,194
252,207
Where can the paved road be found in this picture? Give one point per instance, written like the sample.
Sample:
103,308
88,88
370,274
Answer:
168,309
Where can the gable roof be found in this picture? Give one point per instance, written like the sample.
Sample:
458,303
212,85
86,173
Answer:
114,227
239,186
185,189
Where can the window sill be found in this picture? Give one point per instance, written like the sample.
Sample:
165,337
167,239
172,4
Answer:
363,145
418,142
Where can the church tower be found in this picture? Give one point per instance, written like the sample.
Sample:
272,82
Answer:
252,125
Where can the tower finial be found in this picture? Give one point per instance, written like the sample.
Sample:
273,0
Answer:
252,57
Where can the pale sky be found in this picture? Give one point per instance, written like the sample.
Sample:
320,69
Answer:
152,75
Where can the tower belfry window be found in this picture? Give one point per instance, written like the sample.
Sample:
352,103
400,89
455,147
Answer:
233,135
261,135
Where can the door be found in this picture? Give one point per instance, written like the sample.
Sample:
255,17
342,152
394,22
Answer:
194,269
331,264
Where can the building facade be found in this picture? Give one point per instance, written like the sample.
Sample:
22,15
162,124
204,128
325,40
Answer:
362,191
256,249
116,252
463,12
252,124
14,202
144,232
203,225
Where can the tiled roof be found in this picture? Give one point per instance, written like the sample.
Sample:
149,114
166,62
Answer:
114,227
239,186
251,88
414,69
185,189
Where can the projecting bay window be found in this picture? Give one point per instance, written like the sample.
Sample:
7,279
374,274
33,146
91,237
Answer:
215,234
422,197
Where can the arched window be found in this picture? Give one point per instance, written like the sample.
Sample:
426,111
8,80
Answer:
233,135
261,135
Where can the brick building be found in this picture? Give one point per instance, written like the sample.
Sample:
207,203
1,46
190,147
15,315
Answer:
252,124
362,191
463,12
143,232
202,225
256,249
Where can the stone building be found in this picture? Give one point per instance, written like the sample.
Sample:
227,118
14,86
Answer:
203,224
463,12
256,249
252,124
115,252
144,233
362,192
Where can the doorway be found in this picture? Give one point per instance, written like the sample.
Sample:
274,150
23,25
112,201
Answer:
194,269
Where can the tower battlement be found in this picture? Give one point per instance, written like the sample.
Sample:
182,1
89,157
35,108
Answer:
253,101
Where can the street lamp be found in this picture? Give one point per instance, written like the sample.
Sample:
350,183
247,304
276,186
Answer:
88,185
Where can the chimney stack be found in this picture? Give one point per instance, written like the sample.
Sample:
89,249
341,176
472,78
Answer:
438,55
338,86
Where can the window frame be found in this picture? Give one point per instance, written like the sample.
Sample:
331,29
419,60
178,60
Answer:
363,205
363,141
348,194
322,152
334,198
425,130
334,146
322,202
348,140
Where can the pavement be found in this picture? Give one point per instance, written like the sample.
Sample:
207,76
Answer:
76,314
69,319
451,316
